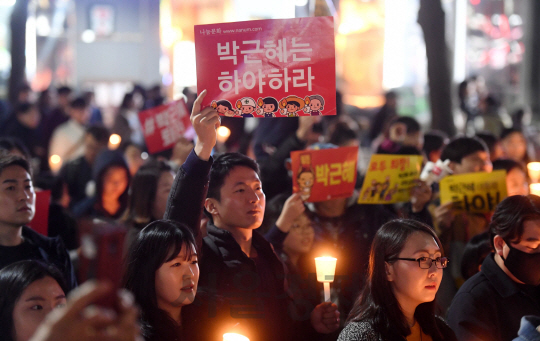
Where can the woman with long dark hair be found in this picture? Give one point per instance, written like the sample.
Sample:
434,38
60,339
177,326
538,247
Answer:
148,195
397,303
29,290
162,273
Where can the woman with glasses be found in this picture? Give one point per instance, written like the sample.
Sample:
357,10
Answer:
397,303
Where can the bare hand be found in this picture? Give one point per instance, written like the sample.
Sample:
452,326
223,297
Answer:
420,196
325,318
292,209
205,122
444,215
80,321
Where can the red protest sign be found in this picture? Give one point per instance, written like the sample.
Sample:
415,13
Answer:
268,68
164,125
325,174
40,222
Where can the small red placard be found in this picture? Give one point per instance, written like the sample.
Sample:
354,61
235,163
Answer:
325,174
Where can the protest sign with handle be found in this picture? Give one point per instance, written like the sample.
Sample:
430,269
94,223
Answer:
324,174
268,68
390,178
474,192
163,126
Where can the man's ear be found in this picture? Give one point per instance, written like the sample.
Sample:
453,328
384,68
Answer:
210,206
389,268
499,243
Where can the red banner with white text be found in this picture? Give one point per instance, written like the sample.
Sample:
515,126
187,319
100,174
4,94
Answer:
268,68
163,126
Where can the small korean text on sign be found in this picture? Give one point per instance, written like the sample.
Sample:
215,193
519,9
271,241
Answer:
475,192
163,126
325,174
268,68
390,178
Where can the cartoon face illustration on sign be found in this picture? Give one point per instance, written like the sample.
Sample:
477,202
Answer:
267,107
315,105
291,104
305,177
223,107
246,106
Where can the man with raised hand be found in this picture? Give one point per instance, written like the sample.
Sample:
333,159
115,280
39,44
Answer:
242,280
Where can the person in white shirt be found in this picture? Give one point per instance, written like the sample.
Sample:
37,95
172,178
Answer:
68,138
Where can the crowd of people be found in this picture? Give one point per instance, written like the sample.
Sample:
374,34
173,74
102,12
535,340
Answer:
217,242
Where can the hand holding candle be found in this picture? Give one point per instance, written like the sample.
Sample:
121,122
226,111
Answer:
326,270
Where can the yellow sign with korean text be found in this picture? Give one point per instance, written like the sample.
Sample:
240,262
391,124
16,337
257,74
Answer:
390,178
474,192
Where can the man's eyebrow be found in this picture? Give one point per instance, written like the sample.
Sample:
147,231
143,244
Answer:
9,181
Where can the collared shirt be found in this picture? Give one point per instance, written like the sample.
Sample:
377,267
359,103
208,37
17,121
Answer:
489,305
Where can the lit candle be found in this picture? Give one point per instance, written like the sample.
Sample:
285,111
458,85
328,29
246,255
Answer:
114,141
535,189
234,337
223,134
534,171
55,163
326,270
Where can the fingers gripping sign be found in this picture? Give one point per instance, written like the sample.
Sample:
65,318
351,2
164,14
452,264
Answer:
205,121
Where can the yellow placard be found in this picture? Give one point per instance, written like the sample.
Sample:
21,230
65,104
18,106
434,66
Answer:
389,179
474,192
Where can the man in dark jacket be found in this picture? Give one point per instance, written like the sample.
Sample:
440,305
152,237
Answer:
490,304
241,278
17,202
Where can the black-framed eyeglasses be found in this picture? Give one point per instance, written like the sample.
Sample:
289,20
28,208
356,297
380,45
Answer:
426,262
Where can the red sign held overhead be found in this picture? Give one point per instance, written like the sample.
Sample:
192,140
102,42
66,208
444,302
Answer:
325,174
163,126
268,68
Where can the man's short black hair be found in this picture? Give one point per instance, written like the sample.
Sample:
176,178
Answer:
221,168
412,125
508,131
433,141
24,108
78,103
508,165
489,139
64,90
461,147
510,215
8,160
99,133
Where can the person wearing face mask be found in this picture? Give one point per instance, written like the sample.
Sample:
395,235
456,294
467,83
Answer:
489,306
